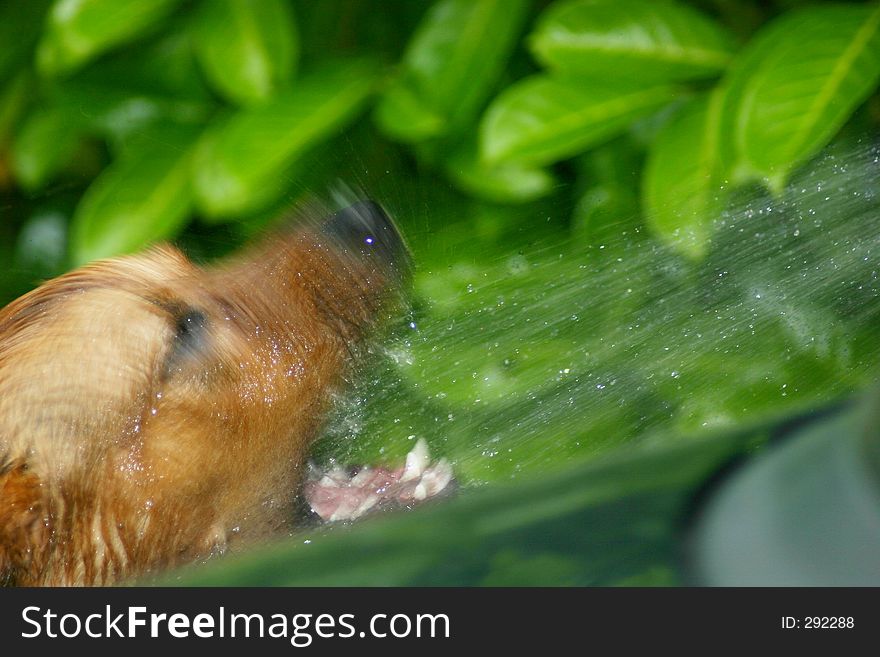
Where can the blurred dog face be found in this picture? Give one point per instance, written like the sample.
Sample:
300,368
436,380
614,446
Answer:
152,412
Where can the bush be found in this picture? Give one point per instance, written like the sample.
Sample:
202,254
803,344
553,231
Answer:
627,215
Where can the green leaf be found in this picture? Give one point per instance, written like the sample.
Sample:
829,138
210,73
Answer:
402,115
681,186
543,119
43,145
20,27
239,157
247,48
505,183
77,31
647,40
142,197
121,96
796,84
458,52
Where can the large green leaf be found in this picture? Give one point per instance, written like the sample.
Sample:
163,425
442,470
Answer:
455,58
240,157
681,185
142,197
247,48
796,84
647,40
80,30
543,119
43,145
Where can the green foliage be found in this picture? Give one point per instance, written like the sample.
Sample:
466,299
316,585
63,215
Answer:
619,212
453,61
682,177
646,41
77,31
782,105
241,158
247,48
142,197
463,96
542,119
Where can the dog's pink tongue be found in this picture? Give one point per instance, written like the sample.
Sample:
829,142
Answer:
337,495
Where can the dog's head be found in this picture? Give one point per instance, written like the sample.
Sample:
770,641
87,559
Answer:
152,411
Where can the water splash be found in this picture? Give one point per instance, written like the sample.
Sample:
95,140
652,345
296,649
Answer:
555,351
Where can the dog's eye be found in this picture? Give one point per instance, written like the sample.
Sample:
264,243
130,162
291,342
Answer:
190,329
190,339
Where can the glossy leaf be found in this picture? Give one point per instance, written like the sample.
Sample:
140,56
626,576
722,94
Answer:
543,119
505,183
77,31
682,184
458,52
43,145
238,158
247,48
647,40
795,86
142,197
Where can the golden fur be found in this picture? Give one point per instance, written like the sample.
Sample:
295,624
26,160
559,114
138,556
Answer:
131,441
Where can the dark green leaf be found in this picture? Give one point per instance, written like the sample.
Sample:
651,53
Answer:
795,86
651,41
43,145
543,119
682,185
20,26
248,48
80,30
240,157
14,97
142,197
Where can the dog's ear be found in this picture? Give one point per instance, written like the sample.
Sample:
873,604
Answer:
23,521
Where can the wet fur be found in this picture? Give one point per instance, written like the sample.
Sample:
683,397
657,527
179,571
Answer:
153,412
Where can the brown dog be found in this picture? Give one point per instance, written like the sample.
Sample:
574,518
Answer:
152,412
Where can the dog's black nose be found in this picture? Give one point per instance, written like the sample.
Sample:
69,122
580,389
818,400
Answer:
366,228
